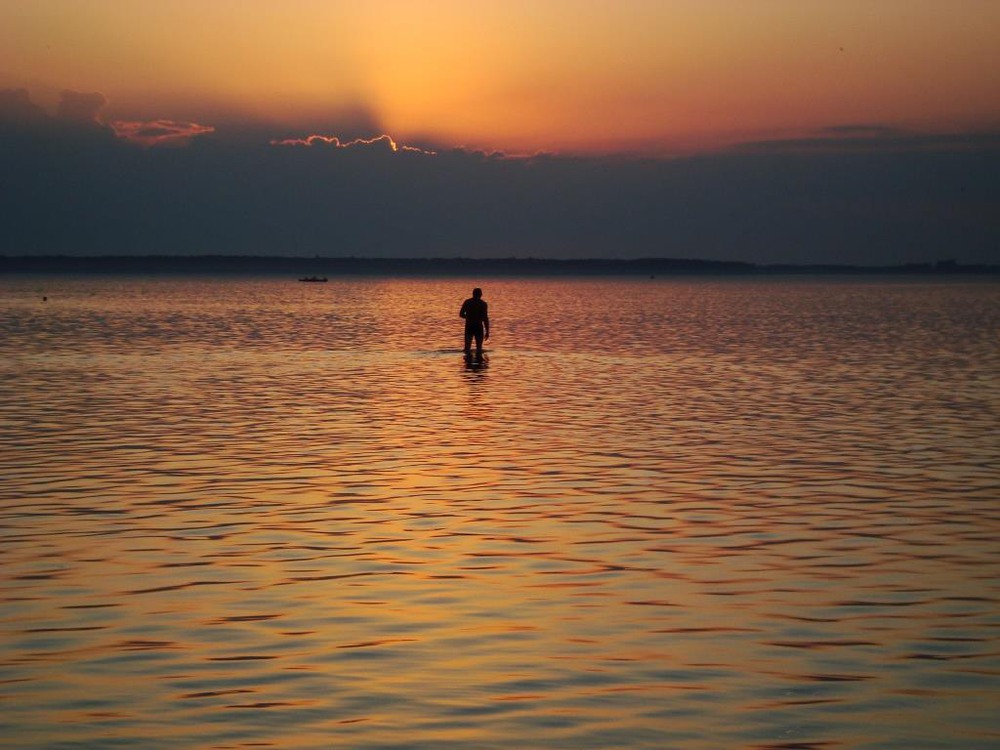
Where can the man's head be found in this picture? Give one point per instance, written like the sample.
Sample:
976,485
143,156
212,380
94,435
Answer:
477,292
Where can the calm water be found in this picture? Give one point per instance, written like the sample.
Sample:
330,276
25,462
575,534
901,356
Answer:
666,514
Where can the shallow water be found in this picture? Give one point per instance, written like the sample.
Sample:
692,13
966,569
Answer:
665,513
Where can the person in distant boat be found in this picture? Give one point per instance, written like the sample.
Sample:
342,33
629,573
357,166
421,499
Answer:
477,321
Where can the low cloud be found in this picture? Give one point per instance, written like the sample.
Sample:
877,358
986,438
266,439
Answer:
159,132
863,131
378,143
872,139
16,108
80,107
76,120
78,116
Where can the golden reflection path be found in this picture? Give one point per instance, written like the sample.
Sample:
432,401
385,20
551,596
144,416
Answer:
701,514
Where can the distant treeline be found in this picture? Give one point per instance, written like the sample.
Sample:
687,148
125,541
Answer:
333,267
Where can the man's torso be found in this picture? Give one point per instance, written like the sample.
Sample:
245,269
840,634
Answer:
475,311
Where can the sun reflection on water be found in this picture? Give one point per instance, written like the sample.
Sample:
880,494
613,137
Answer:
684,514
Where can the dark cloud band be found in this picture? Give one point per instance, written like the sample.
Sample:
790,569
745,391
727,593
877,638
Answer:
869,195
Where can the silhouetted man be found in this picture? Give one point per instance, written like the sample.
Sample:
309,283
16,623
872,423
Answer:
477,321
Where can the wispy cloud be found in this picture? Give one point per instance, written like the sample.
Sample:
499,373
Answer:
158,132
872,138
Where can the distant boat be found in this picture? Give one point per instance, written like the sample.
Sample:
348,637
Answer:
321,279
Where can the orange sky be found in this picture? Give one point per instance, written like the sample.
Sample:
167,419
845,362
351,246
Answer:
652,76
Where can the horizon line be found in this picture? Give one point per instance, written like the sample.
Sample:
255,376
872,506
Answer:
236,263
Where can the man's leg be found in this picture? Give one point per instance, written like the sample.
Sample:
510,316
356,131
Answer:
468,339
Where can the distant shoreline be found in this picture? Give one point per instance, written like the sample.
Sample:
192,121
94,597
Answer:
354,266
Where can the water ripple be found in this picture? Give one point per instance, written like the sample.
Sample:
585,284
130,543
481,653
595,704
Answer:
699,514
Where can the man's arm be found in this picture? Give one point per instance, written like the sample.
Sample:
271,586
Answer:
486,322
463,312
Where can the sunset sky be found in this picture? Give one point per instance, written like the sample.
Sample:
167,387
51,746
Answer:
583,78
519,75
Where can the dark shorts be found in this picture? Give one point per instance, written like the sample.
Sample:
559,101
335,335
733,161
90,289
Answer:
474,331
